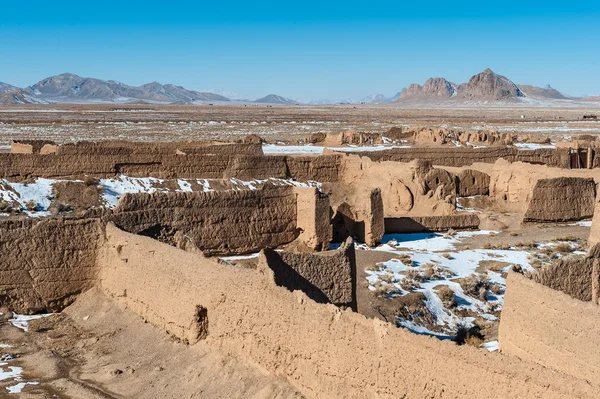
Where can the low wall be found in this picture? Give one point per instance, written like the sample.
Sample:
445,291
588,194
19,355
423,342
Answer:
166,148
206,166
472,182
574,277
313,218
324,278
418,224
465,156
361,217
216,223
321,350
561,199
46,263
548,327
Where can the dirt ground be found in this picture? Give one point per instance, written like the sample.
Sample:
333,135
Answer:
94,349
67,123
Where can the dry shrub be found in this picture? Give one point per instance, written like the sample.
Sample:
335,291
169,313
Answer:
447,256
375,267
469,335
387,277
405,259
568,238
563,248
476,286
31,206
514,234
5,207
447,297
64,208
487,245
450,233
90,181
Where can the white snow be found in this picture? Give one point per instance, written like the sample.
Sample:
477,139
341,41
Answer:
439,251
584,223
115,188
22,321
491,346
533,146
12,372
39,192
272,149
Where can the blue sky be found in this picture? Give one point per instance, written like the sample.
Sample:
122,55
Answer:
305,49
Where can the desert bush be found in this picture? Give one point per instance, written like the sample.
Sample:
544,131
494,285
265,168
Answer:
473,285
563,248
31,206
447,297
405,259
375,267
387,277
568,238
487,245
447,256
5,207
514,234
450,233
64,208
468,335
90,181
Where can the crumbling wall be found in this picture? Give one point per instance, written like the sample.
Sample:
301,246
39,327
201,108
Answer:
466,156
320,349
472,182
314,218
206,166
324,277
548,327
217,223
46,263
31,146
418,224
577,277
361,216
165,148
562,199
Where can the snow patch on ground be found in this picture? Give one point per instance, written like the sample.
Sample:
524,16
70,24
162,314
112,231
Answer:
22,321
533,146
421,251
24,194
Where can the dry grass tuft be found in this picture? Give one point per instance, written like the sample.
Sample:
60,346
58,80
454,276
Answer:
90,181
32,206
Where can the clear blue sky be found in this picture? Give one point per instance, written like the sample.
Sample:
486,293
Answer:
302,49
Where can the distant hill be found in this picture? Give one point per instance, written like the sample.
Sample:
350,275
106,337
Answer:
488,85
484,87
380,98
6,88
434,88
69,87
543,93
20,97
275,99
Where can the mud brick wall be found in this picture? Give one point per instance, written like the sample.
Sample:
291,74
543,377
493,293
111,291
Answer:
217,223
320,349
548,327
314,218
417,224
463,156
561,199
574,277
325,278
46,263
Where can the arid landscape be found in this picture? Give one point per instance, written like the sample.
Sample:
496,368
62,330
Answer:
300,250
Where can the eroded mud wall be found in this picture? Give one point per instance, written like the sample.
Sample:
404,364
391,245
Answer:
313,218
575,277
216,223
207,166
465,156
45,263
325,278
562,199
548,327
417,224
320,349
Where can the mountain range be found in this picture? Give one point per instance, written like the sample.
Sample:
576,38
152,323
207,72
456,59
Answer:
484,87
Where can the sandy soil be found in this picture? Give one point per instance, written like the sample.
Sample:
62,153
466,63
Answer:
95,349
67,123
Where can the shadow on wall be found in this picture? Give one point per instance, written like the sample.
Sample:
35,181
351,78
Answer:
324,277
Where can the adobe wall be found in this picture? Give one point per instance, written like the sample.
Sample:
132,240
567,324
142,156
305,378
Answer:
46,263
594,237
206,166
216,223
320,349
31,146
574,277
546,326
561,199
361,215
313,214
472,182
465,156
418,224
324,278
